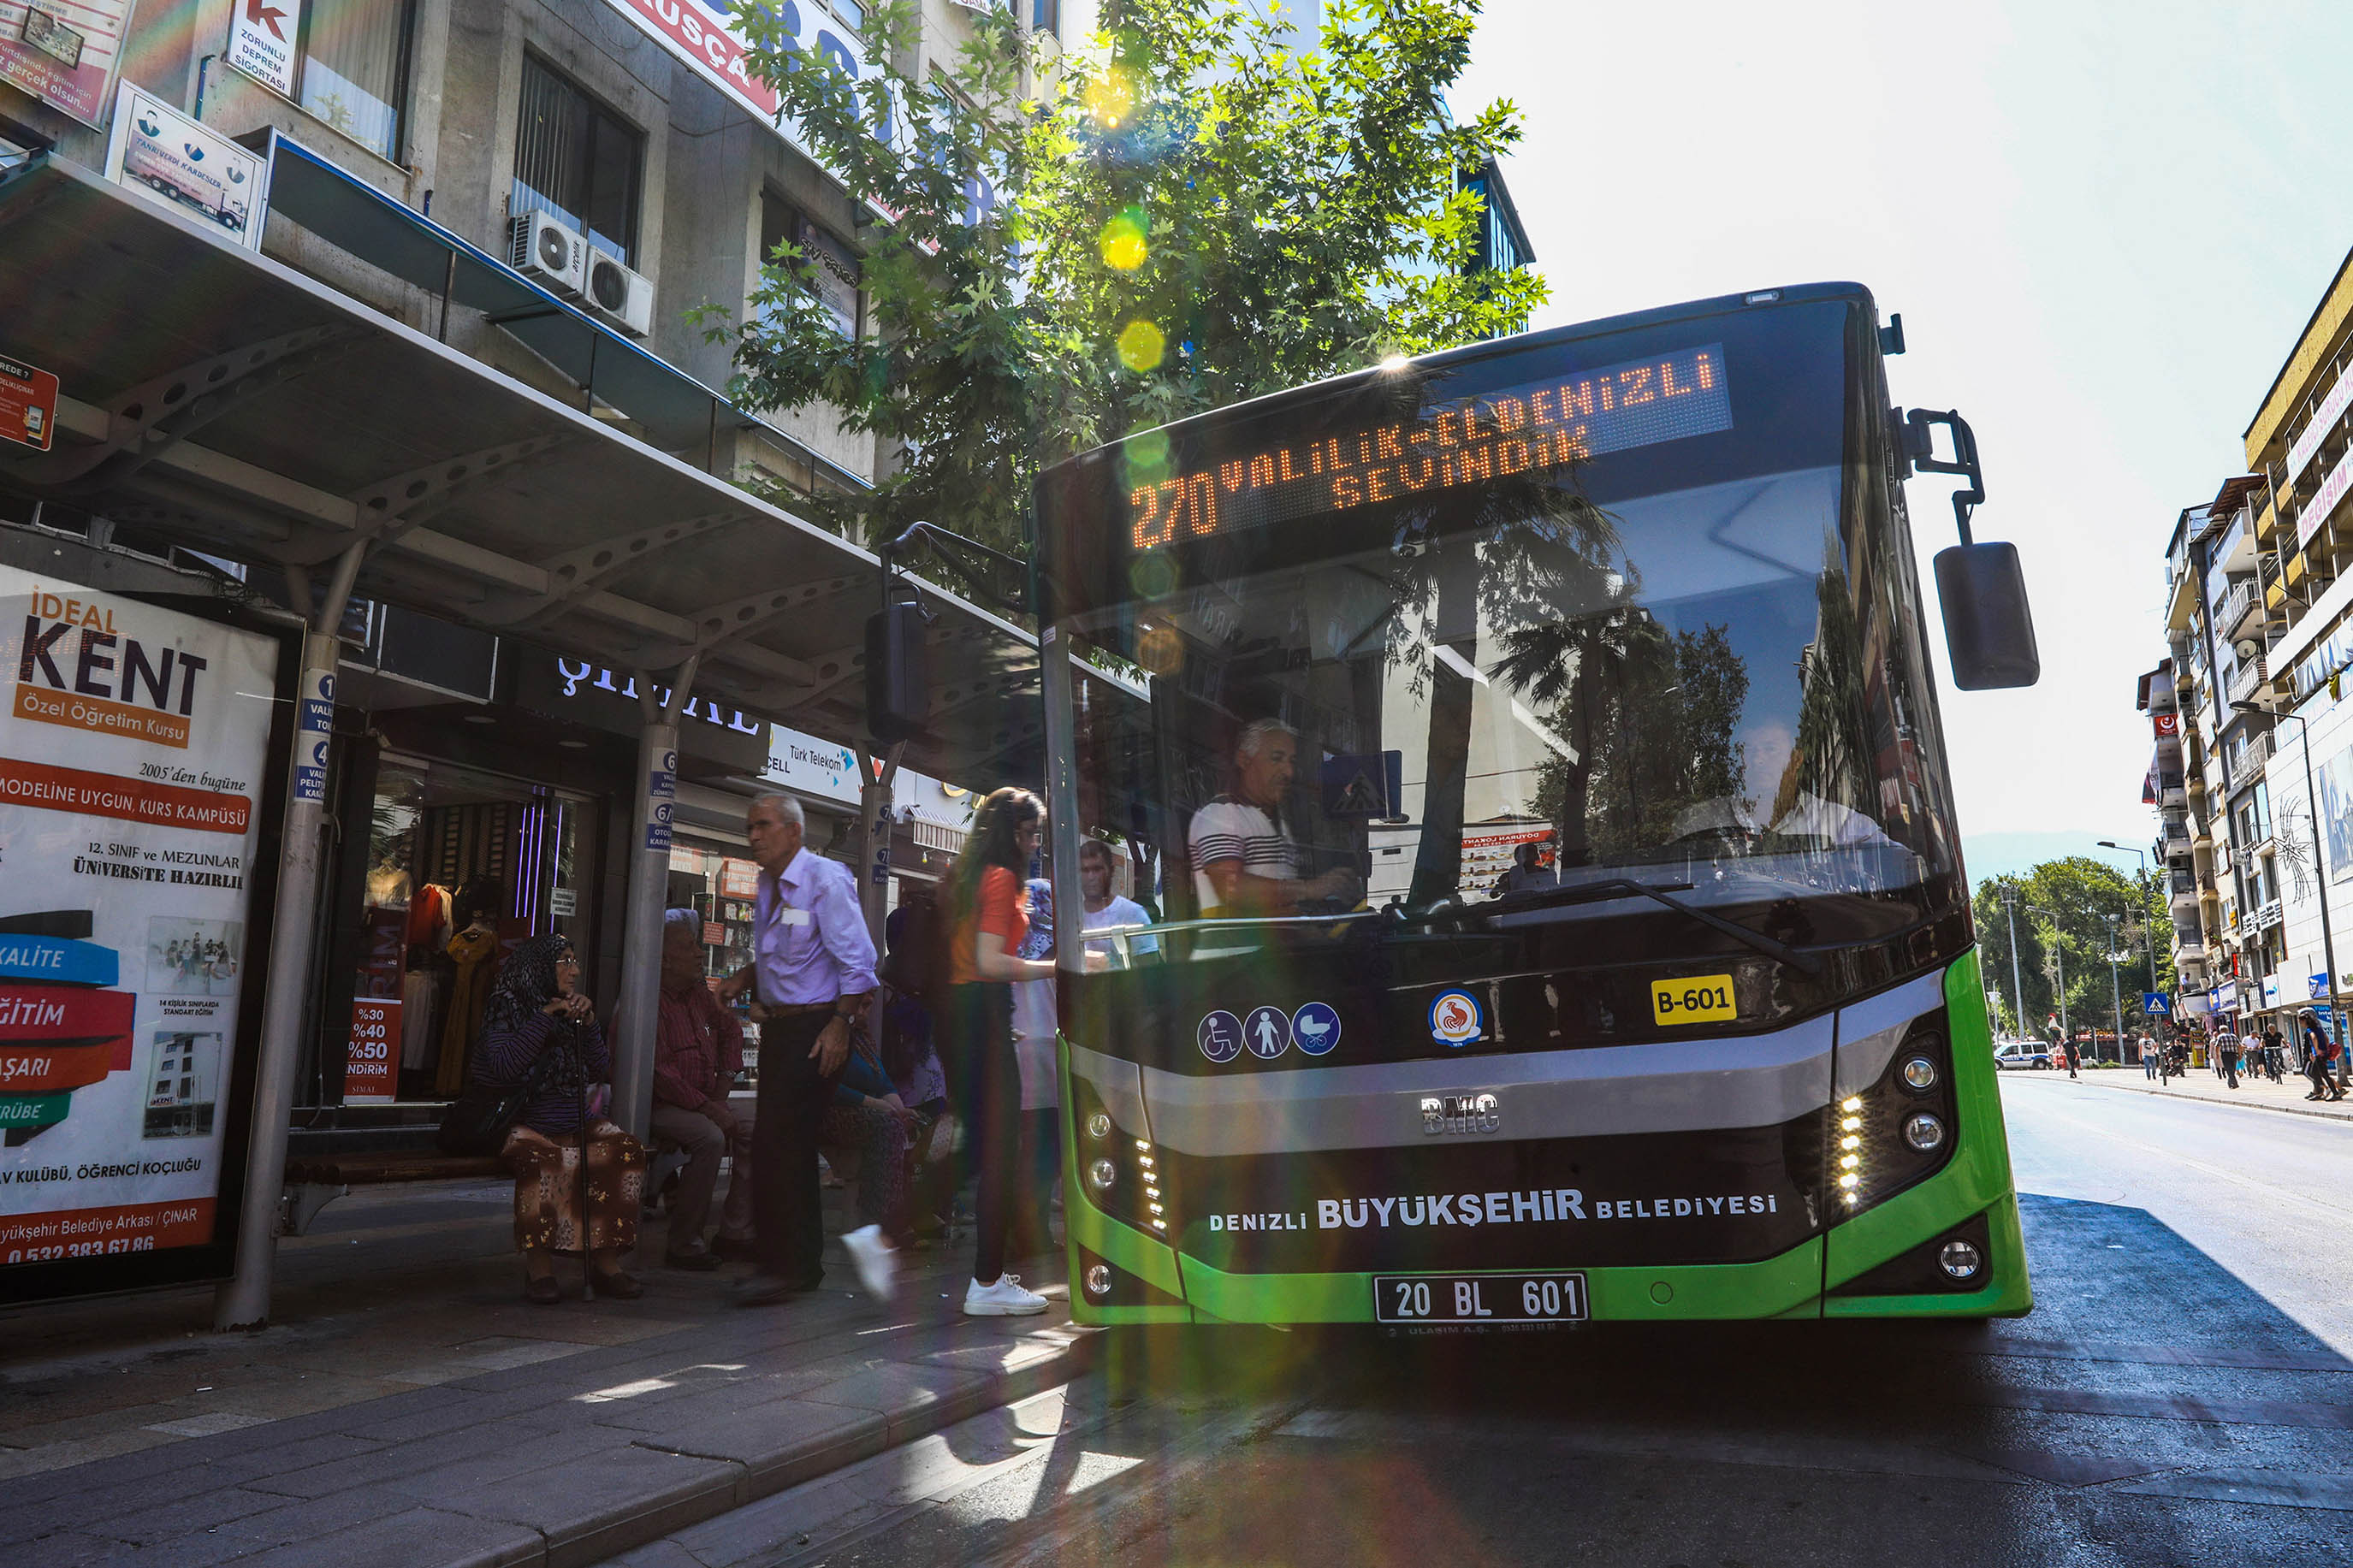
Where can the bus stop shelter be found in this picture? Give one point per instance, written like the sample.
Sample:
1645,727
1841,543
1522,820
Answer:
248,411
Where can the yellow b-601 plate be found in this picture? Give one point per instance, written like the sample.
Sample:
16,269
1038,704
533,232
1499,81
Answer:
1692,999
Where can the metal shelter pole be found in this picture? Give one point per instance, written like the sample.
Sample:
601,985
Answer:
2115,994
243,1300
2320,875
636,1017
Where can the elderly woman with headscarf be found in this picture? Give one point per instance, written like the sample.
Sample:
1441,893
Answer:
536,1007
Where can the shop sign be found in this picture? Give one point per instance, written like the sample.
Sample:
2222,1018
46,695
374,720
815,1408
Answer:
132,750
161,154
811,766
583,693
371,1059
65,54
261,35
2323,499
739,878
2316,430
702,34
28,404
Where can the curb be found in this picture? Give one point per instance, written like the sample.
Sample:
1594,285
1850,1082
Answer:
2337,1116
751,1472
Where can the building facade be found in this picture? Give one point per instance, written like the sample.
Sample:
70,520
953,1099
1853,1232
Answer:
2258,840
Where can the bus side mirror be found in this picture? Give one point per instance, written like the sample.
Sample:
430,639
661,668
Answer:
1989,629
898,678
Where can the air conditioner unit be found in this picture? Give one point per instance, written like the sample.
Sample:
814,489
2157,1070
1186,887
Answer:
547,252
623,298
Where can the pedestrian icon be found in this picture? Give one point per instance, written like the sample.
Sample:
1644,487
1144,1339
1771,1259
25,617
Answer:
1221,1035
1316,1027
1267,1033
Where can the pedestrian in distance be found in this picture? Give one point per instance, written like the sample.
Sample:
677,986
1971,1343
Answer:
535,1007
2319,1055
812,971
2235,1048
2075,1055
2148,1056
698,1051
2272,1051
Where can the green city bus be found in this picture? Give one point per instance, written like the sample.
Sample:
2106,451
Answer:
1527,762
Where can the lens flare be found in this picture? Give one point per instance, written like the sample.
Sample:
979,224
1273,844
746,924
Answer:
1142,346
1123,240
1111,98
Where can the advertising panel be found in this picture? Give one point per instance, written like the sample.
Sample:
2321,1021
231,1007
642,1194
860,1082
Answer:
63,52
28,404
162,155
134,758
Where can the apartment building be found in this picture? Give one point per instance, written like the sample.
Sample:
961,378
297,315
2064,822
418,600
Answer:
2260,632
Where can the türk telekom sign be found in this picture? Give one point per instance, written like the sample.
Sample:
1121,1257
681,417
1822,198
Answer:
698,33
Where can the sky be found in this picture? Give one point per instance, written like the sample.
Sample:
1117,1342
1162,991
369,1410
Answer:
2103,240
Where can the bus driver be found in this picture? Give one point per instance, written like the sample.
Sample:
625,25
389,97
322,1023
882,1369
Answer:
1245,862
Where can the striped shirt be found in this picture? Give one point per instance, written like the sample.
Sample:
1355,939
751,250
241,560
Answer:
1231,829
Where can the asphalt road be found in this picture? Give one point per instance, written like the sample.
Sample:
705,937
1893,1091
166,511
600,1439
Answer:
2182,1394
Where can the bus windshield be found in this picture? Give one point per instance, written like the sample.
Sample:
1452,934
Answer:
1440,650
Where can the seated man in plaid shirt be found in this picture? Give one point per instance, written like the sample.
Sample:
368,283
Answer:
698,1051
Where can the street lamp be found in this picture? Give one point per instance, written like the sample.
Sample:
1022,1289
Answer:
2319,872
2147,944
2016,987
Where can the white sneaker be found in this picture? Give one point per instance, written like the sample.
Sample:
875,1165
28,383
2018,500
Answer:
878,1264
1006,1298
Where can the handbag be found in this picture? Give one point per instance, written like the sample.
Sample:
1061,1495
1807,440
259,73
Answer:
477,1121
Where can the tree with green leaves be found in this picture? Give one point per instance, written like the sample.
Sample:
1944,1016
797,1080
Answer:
2064,913
1186,214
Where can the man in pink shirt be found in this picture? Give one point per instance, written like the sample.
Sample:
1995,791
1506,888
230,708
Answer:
698,1051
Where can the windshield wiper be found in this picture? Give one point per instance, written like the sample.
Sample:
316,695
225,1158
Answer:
1601,892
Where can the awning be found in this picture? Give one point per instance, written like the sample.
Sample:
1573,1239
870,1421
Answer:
255,412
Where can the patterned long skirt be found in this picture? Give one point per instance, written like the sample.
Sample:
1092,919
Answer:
547,1188
880,1141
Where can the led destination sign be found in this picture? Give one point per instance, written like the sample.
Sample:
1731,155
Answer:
1535,426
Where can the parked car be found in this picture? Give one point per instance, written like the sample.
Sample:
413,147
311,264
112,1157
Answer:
2022,1054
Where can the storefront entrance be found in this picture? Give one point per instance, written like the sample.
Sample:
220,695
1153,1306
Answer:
463,865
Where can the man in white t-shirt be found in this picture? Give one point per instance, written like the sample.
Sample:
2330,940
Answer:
1106,908
1245,861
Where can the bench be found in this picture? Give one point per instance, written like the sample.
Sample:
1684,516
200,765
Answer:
314,1180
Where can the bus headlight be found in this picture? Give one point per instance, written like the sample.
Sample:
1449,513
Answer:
1959,1259
1924,1131
1920,1073
1099,1125
1101,1175
1098,1280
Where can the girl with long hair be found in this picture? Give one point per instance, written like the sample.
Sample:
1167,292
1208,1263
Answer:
981,910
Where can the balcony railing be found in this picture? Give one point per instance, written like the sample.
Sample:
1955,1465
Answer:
2259,751
2236,606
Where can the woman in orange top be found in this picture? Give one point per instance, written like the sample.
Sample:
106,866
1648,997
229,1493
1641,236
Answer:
980,905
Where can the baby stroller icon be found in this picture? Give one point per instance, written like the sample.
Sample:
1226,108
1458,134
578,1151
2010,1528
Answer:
1316,1027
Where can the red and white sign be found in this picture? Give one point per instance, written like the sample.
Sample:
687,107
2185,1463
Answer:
699,32
261,35
28,404
371,1059
63,52
2167,724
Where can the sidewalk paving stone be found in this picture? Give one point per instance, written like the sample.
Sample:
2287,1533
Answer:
406,1407
2202,1085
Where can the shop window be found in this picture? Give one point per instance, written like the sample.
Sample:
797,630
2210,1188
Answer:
837,265
354,69
578,162
462,866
